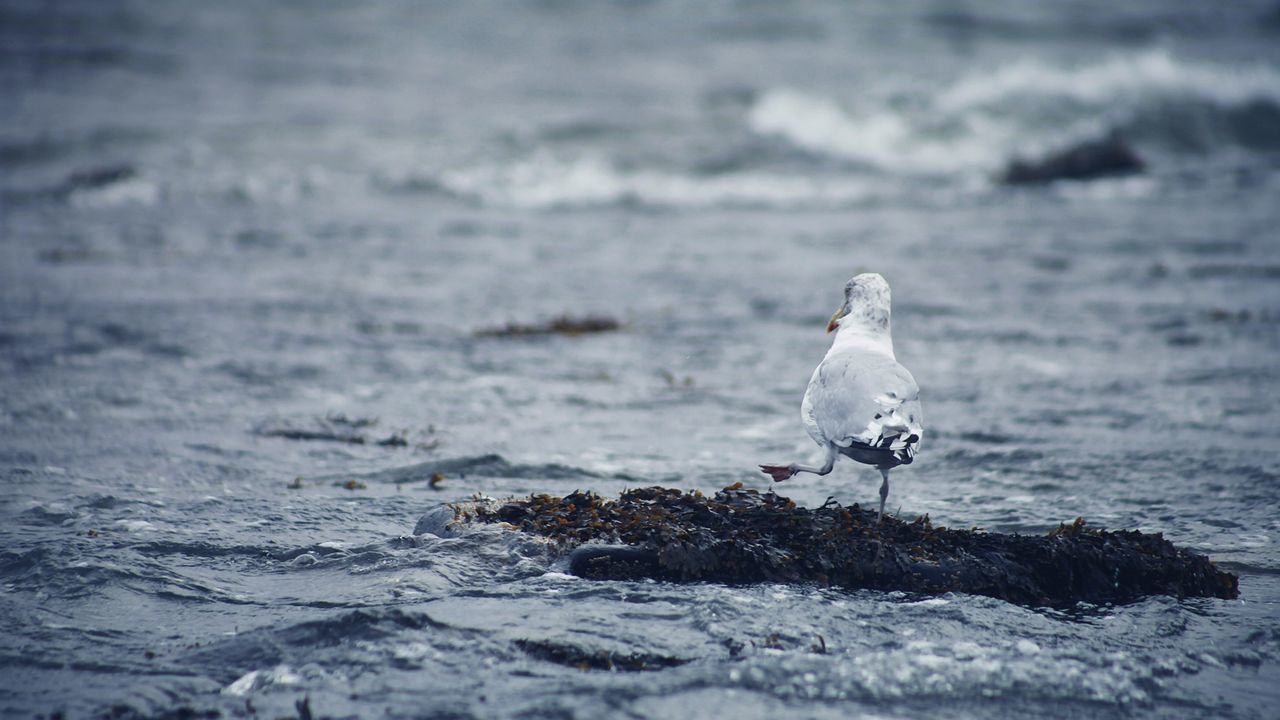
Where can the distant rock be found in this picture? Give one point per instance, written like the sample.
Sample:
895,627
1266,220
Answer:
1108,157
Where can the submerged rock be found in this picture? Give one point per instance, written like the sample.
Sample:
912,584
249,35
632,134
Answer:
1107,157
744,536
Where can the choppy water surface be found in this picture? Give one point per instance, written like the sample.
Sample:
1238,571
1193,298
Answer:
224,221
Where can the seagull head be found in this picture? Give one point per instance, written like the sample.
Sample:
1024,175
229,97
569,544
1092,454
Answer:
866,305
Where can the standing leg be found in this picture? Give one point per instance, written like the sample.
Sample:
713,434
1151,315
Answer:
884,492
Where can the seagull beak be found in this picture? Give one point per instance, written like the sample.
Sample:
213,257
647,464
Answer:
835,320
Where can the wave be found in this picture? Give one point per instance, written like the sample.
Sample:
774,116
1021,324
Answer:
1177,106
67,573
45,147
490,465
804,150
109,186
980,121
883,138
1146,74
544,181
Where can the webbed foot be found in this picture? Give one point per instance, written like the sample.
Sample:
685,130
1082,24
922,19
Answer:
778,472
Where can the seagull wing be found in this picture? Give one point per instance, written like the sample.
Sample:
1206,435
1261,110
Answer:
866,400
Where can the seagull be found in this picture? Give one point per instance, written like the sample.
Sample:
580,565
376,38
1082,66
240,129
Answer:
860,402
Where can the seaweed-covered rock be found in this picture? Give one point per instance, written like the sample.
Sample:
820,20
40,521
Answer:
744,536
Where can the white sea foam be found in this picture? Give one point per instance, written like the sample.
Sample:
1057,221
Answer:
135,525
543,181
1119,78
130,191
962,669
259,679
883,137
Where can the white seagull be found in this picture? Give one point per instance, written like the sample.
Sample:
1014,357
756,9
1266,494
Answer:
861,403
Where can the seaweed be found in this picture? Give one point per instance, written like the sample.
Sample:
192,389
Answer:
562,325
745,536
323,435
341,429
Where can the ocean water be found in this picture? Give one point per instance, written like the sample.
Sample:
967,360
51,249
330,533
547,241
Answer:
225,222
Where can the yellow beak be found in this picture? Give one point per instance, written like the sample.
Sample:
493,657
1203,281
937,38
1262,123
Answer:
835,320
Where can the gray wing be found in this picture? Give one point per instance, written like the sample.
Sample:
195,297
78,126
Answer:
864,399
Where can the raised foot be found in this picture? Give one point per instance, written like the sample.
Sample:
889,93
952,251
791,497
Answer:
778,472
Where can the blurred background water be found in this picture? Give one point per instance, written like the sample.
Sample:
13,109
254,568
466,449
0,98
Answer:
225,222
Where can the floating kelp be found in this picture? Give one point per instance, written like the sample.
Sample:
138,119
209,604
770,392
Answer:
339,429
745,536
563,325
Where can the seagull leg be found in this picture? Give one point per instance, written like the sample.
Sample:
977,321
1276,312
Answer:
884,492
783,472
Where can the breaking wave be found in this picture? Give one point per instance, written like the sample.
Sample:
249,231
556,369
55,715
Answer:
857,153
882,138
543,181
1118,78
977,123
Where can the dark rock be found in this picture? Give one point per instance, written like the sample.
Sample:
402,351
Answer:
1108,157
744,536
